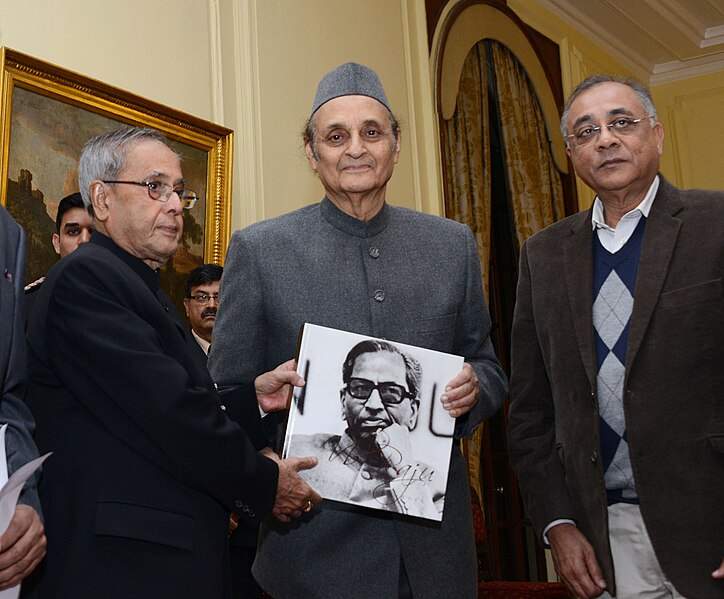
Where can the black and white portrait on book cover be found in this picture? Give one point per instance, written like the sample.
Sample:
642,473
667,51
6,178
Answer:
371,413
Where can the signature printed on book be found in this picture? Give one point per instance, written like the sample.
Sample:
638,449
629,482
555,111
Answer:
396,476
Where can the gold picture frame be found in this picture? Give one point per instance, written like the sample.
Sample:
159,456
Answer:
48,113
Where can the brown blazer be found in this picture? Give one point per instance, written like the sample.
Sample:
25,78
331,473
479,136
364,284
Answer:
674,398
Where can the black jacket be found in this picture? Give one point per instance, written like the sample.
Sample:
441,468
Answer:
146,465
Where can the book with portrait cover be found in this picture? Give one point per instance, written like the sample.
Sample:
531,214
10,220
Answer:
371,413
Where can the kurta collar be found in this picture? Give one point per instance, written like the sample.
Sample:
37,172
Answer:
149,276
353,226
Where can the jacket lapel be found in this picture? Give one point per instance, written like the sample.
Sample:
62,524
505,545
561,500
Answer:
578,265
660,236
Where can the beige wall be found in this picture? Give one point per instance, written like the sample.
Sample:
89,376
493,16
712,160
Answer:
159,49
692,115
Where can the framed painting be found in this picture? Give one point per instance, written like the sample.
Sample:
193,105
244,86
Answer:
48,113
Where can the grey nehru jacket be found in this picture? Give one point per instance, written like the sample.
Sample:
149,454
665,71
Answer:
405,276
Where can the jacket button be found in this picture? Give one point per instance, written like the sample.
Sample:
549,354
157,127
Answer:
374,252
379,295
223,407
594,456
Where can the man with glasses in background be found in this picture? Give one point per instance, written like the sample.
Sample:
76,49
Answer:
202,302
616,421
367,464
148,471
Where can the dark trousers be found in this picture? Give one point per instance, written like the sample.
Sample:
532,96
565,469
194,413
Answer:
405,592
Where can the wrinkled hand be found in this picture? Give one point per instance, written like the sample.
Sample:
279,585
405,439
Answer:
274,388
293,494
719,572
22,546
576,562
461,393
395,445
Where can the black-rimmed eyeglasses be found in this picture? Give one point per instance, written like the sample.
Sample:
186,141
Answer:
161,191
390,393
203,298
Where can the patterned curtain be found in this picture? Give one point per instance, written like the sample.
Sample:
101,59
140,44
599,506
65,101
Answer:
468,189
467,156
536,193
534,184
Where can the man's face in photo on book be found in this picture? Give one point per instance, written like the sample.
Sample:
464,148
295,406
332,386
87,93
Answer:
377,396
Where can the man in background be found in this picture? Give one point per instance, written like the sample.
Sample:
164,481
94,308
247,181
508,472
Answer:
73,226
616,420
353,262
202,301
23,544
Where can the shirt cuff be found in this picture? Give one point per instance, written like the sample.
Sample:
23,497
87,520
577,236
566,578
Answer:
551,525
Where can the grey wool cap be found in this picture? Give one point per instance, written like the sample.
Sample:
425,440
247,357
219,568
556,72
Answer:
349,79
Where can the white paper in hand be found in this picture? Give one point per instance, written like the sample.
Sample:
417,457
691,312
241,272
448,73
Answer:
10,492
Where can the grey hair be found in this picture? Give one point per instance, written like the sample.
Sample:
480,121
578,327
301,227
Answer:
104,156
309,133
638,88
413,370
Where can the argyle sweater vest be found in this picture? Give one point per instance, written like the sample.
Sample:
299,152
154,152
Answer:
614,281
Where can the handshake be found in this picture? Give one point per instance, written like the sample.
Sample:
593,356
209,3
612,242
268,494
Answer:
294,496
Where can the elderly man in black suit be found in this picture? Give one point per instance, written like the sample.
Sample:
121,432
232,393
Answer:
22,545
616,422
148,469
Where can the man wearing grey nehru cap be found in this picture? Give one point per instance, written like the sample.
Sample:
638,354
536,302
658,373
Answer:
356,263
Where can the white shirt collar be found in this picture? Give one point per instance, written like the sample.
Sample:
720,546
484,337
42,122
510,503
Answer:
598,221
205,345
